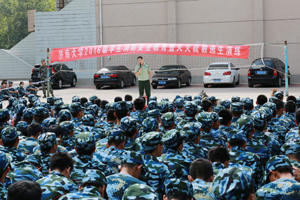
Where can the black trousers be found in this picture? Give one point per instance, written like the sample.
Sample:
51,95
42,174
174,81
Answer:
145,86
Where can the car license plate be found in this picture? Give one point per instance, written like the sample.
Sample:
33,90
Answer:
217,80
162,82
261,72
104,76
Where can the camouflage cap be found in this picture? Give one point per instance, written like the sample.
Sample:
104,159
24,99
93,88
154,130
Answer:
47,140
88,120
5,160
271,99
22,124
140,192
28,113
153,98
165,99
23,101
85,141
205,119
95,176
11,100
198,97
131,157
46,112
92,98
259,119
39,111
245,123
163,107
275,162
235,99
75,99
129,124
36,104
240,135
198,102
35,159
179,187
58,98
172,138
190,131
58,104
109,106
116,134
87,104
121,105
75,107
20,108
212,98
151,140
215,117
187,98
171,106
279,95
67,126
152,105
65,114
231,183
218,108
190,108
225,103
177,97
50,100
89,111
154,113
31,97
129,105
168,119
267,112
247,102
270,105
9,134
49,122
291,147
4,113
150,124
237,107
65,106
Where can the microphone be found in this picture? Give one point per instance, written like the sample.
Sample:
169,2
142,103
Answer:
140,65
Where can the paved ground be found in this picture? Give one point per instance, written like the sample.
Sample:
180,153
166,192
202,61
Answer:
221,92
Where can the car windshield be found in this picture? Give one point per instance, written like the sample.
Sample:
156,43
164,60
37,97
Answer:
218,66
259,63
169,70
112,67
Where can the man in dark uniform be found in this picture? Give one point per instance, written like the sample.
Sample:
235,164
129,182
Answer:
43,73
31,89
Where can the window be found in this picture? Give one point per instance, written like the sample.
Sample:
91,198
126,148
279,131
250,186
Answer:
64,67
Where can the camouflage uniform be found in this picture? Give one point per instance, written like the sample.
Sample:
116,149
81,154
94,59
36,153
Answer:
129,125
217,166
3,114
208,139
152,105
190,132
86,141
175,158
202,190
190,109
236,107
9,134
5,160
231,183
140,191
118,183
292,147
149,124
27,145
155,173
67,141
235,99
283,188
139,115
75,107
112,156
225,103
88,192
167,120
180,187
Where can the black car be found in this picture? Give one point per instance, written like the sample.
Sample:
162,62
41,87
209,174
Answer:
114,76
61,75
267,71
172,75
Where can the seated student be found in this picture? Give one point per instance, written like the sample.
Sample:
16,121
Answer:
190,109
219,157
31,89
248,106
140,114
130,170
167,122
68,140
21,89
140,191
225,122
279,181
24,190
201,176
237,111
12,91
290,109
178,189
28,144
128,97
5,160
292,150
130,128
260,101
94,187
57,182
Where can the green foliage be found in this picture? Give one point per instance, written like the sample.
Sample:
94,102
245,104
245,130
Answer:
14,21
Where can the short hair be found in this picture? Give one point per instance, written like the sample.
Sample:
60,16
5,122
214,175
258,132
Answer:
218,154
115,142
83,100
21,83
297,115
279,104
139,57
23,190
206,104
117,99
236,113
39,118
57,129
33,129
139,103
201,168
121,113
236,142
10,143
85,151
97,102
91,183
177,197
226,115
261,99
290,106
128,165
23,130
103,103
128,97
61,161
110,115
283,169
291,98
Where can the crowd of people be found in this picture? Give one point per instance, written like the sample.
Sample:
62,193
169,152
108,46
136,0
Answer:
184,148
7,90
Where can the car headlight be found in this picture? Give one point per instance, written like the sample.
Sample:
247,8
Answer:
155,79
172,79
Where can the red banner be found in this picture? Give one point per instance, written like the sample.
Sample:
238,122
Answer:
203,50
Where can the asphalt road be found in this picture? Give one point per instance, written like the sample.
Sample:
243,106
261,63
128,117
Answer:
221,92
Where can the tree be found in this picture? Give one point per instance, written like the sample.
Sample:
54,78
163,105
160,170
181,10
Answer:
14,20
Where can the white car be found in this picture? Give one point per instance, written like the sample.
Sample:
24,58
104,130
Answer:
221,73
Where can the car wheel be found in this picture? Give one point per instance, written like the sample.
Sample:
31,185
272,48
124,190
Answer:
189,82
133,83
233,83
178,84
98,87
250,84
59,86
205,85
73,84
122,84
238,82
154,86
279,82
